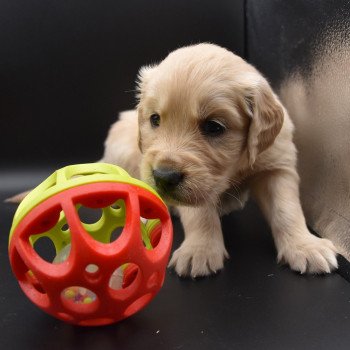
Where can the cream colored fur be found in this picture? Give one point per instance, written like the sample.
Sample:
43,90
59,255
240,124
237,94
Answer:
255,153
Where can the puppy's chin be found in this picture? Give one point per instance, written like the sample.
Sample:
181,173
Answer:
177,198
182,196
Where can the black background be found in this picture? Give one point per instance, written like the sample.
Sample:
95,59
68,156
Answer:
66,69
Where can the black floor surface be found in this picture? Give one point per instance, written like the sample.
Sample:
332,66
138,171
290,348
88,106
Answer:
252,304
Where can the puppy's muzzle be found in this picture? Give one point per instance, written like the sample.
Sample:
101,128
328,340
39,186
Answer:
166,179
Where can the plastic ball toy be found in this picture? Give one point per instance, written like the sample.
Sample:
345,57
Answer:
101,271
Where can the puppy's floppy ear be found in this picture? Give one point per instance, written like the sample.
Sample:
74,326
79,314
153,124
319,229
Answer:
266,118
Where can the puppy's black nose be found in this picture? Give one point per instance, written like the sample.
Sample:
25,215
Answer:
167,179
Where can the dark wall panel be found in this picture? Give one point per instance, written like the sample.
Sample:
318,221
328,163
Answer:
68,67
285,35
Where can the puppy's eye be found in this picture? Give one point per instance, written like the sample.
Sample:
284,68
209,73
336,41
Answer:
212,128
155,120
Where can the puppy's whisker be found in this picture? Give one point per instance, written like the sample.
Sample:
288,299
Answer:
233,196
197,194
234,183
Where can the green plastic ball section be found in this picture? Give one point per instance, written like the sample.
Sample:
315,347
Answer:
72,176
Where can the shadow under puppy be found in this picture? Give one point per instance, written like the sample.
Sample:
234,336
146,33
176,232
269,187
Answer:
208,129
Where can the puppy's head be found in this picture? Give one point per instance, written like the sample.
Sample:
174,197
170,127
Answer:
204,116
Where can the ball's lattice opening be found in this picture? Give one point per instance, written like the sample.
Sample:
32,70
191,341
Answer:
95,253
78,295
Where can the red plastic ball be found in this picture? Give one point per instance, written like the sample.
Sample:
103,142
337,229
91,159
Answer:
100,281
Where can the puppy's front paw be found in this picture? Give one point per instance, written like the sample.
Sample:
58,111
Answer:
310,254
198,259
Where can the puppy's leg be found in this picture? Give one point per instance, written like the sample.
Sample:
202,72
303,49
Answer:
277,192
203,251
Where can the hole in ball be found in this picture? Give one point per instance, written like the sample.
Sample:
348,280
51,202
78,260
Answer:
124,276
78,295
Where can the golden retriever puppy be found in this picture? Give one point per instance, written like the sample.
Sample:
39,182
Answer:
208,129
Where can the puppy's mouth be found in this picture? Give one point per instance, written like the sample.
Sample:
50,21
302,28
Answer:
174,197
181,195
176,187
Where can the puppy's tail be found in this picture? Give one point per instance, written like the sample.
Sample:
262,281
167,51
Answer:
18,198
